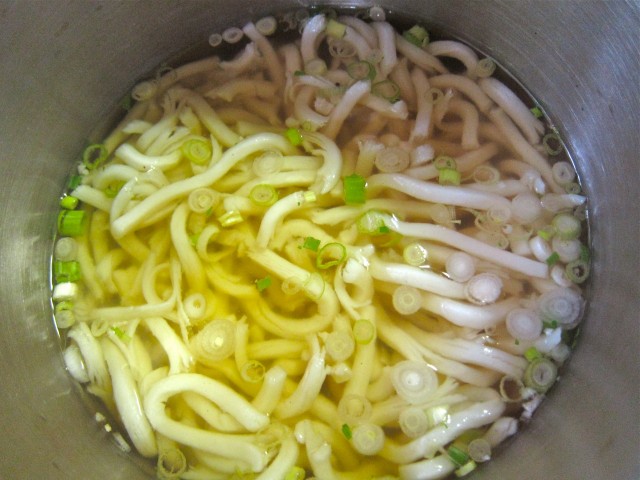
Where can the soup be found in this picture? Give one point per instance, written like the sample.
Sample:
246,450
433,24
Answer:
353,254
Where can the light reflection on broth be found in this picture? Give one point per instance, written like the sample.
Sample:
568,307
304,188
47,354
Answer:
357,254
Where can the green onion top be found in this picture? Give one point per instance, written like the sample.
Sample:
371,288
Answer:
458,456
363,331
536,111
417,35
294,136
263,283
540,374
230,218
94,156
295,473
311,243
330,255
69,202
346,431
66,271
71,223
443,162
577,271
449,176
386,89
197,151
354,191
532,353
566,226
335,29
74,182
553,259
361,70
263,195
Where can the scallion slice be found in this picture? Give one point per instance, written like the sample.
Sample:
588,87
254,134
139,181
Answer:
71,222
311,243
335,29
458,456
346,431
69,202
577,271
230,218
540,374
294,136
330,255
94,156
263,283
566,226
263,195
197,150
361,70
66,271
363,331
417,35
448,176
354,189
386,89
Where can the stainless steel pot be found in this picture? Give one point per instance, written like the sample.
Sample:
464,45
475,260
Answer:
65,64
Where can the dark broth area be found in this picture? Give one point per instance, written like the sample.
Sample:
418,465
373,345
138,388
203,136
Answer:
105,421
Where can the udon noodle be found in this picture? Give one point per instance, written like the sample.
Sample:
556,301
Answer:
355,254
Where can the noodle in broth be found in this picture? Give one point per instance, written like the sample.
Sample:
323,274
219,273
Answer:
334,257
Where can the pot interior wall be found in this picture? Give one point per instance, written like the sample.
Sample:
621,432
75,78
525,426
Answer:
66,64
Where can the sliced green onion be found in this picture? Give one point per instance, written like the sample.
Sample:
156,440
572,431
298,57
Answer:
335,29
540,374
563,172
295,473
552,143
252,371
315,66
346,431
448,176
368,438
74,182
577,271
339,345
363,331
299,73
71,222
406,300
121,334
414,380
486,175
443,162
552,259
263,195
458,456
355,189
69,202
511,389
66,271
361,70
585,253
417,35
94,156
197,150
392,160
547,232
567,226
203,200
485,67
550,324
66,249
413,422
230,218
466,469
311,243
537,112
263,283
438,416
294,136
330,255
434,95
532,353
114,188
415,254
267,25
572,188
354,408
371,222
386,89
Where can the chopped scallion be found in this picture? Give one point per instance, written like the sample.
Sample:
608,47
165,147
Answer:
466,469
330,255
448,176
263,283
113,189
66,271
567,226
197,150
553,259
443,162
263,195
295,473
532,353
74,182
94,156
363,331
298,73
458,456
386,89
577,271
346,431
69,202
546,233
230,218
540,374
71,222
417,35
361,70
335,29
311,243
552,143
537,112
355,189
294,136
121,334
371,222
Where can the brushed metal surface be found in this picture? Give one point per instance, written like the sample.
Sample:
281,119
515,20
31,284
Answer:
65,64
